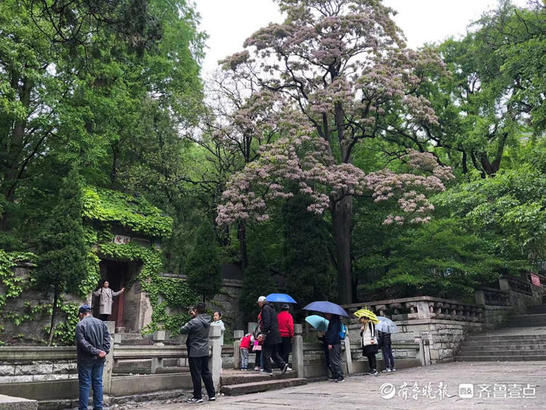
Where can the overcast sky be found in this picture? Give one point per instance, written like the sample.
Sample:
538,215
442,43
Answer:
229,22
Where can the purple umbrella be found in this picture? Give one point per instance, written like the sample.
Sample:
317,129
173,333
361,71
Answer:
324,306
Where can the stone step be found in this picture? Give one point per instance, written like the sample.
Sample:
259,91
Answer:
536,309
256,387
251,376
536,323
518,338
17,403
529,317
500,358
503,346
502,352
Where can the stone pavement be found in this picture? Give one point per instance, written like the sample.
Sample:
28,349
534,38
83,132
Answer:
496,385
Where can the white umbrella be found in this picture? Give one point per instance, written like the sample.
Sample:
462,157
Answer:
386,325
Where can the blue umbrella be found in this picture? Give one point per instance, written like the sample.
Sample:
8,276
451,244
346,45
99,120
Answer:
280,298
386,325
326,307
318,322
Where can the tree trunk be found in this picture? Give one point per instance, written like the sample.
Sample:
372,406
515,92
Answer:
53,315
342,219
241,235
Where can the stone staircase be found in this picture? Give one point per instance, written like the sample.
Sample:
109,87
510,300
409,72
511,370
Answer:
235,383
523,338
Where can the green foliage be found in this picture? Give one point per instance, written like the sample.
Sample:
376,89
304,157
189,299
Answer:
441,259
308,272
203,266
133,213
510,206
65,330
11,285
263,262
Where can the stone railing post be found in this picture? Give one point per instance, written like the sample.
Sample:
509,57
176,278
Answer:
504,284
158,338
423,310
297,351
424,348
216,358
237,335
348,357
479,297
251,327
109,363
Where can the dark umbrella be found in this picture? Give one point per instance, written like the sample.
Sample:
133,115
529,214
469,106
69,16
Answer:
326,307
280,298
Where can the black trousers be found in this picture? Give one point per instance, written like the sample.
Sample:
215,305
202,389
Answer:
285,348
271,352
199,369
388,358
372,362
104,318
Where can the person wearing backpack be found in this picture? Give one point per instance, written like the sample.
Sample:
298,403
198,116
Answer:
332,339
368,341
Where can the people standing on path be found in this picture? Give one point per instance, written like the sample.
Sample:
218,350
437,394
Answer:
269,333
92,345
286,330
332,338
384,341
197,330
244,348
106,299
368,341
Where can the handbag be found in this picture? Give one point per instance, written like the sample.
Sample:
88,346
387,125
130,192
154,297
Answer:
370,349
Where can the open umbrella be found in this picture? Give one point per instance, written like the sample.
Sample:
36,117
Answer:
326,307
386,325
280,298
367,313
318,322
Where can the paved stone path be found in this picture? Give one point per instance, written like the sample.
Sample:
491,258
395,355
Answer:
496,385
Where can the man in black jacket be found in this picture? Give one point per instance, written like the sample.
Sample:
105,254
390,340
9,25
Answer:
333,341
93,344
197,330
269,329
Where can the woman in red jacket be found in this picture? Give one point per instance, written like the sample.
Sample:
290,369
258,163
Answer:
286,329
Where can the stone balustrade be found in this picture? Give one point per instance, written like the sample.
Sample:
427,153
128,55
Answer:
421,307
492,297
50,373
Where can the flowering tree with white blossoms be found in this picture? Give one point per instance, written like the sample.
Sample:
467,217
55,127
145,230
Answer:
342,72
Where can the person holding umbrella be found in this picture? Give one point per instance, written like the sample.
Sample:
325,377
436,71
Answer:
332,337
370,346
384,329
332,340
269,329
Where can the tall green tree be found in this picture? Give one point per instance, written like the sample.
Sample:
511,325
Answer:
203,265
61,246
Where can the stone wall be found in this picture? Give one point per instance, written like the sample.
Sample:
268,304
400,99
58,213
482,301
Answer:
227,301
437,325
29,331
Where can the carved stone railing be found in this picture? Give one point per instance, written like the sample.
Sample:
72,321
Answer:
492,297
422,307
516,285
